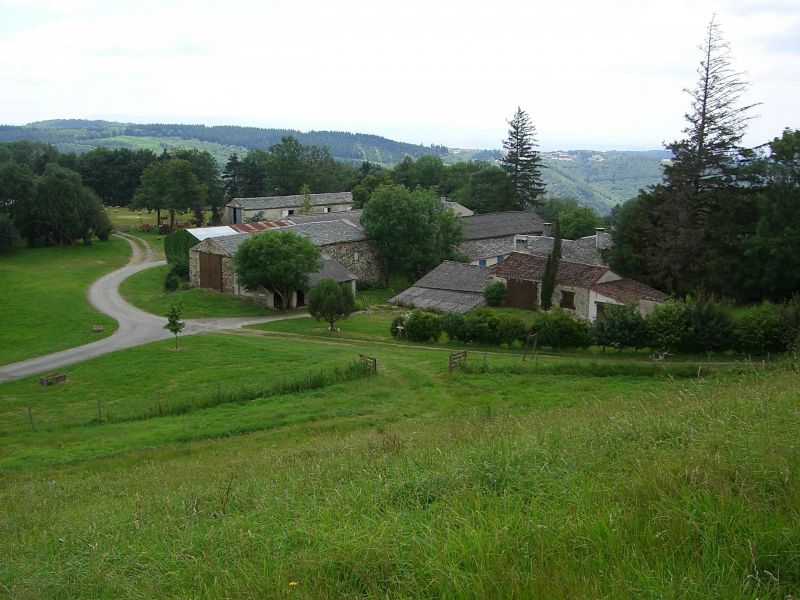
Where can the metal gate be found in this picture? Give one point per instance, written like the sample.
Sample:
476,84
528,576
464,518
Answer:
522,294
211,271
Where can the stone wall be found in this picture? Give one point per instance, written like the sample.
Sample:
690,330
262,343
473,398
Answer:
582,303
359,257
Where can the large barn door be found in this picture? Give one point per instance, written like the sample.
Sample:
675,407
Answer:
211,271
522,294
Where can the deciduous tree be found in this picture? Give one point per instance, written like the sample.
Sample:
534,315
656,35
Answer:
330,301
279,261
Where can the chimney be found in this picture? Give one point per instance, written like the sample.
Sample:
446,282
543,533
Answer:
599,233
546,229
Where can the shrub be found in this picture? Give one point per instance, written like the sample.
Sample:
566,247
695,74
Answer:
509,329
172,282
422,326
710,326
621,326
759,329
455,326
790,318
669,326
496,293
557,329
482,327
398,327
8,233
103,228
176,249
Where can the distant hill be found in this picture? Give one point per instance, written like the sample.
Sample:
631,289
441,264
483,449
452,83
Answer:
77,135
597,179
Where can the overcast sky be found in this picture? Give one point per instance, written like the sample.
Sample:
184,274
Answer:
599,74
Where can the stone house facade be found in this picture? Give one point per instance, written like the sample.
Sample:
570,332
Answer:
243,210
580,289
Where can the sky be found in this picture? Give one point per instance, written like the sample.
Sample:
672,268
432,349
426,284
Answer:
591,74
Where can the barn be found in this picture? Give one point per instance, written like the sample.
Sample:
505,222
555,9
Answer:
347,257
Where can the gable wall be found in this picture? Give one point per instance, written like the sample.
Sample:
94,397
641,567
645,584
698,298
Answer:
358,257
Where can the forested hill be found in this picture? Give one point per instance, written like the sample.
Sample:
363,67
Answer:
77,135
596,179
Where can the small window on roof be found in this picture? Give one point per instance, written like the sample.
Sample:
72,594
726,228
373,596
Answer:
482,262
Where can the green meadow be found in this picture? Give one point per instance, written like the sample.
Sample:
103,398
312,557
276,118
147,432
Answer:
269,463
43,300
413,482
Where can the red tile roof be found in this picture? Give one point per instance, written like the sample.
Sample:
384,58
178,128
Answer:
526,266
629,290
260,226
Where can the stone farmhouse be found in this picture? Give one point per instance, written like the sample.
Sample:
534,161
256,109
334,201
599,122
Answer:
450,287
491,237
587,250
346,253
242,210
581,289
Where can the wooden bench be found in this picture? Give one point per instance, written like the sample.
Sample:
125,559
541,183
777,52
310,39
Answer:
53,378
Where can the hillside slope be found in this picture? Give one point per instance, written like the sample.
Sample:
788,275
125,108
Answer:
597,179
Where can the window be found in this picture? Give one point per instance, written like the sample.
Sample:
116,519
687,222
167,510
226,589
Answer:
355,255
482,262
599,308
325,209
567,299
499,259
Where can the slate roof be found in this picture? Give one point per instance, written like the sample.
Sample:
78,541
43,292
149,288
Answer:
354,216
520,265
489,225
457,276
441,300
582,250
489,247
450,287
272,202
331,269
322,233
629,290
259,225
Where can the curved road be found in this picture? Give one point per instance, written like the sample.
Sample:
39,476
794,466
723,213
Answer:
135,326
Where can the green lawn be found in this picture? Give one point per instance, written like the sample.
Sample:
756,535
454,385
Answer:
145,289
415,482
380,296
43,302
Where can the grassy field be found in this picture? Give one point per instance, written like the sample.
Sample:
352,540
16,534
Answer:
415,482
146,290
43,301
125,219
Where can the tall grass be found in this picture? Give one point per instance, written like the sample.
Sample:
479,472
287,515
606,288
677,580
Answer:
611,369
241,394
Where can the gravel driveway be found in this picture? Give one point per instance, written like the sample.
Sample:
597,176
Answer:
135,326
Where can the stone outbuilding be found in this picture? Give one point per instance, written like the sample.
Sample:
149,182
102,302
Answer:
242,210
347,257
450,287
581,289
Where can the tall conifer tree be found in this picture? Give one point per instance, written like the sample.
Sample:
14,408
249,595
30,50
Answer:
522,161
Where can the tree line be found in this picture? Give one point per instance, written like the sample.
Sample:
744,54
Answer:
726,218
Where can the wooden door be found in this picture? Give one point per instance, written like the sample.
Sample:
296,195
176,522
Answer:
522,294
211,271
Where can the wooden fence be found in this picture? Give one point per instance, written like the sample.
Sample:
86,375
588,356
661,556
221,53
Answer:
370,360
457,359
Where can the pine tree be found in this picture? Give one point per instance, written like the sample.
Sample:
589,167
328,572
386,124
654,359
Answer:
522,161
707,159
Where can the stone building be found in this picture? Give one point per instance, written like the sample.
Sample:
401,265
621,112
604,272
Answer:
450,287
242,210
587,250
347,257
490,237
581,289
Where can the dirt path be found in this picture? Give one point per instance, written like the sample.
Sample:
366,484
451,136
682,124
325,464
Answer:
136,327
